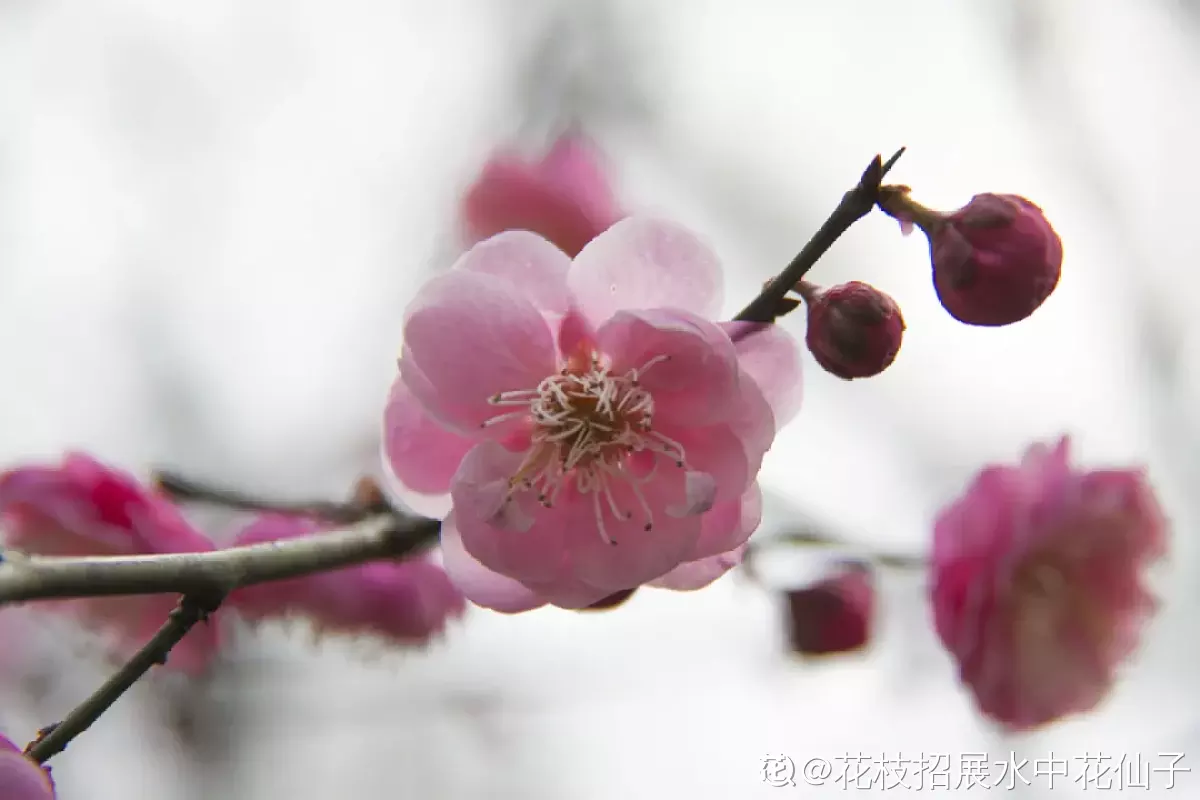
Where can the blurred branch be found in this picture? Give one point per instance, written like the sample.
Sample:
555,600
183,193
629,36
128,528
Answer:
216,572
53,739
772,302
181,489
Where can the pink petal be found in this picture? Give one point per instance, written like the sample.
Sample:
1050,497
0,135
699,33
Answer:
532,265
517,537
771,356
730,524
752,421
698,381
421,453
693,575
470,336
718,452
646,263
625,554
22,778
480,585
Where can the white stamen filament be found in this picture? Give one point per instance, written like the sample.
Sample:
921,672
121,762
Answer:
585,426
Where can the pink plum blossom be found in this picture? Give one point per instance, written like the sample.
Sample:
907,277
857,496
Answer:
835,614
84,508
21,778
1037,584
564,197
405,601
594,429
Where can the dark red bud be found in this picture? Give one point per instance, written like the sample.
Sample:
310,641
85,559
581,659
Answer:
854,330
833,616
995,260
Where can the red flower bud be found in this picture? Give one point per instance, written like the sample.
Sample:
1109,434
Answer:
995,260
833,616
854,330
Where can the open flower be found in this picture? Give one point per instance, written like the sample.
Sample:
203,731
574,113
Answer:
405,601
83,508
21,778
564,197
594,429
1037,583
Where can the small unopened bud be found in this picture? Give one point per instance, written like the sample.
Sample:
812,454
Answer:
834,615
995,260
854,330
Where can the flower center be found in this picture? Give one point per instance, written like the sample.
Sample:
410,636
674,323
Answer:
587,422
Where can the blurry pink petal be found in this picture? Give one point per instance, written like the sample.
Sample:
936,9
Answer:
421,454
771,357
480,585
565,197
646,263
22,778
83,508
473,336
534,266
687,363
1037,583
574,161
406,601
834,615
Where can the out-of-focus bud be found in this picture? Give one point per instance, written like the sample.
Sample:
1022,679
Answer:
854,330
21,778
834,615
565,197
995,260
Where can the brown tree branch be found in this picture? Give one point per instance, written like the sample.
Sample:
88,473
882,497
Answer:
215,572
53,739
772,302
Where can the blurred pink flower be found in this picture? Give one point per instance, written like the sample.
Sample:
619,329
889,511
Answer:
1037,583
22,778
565,197
83,508
833,615
405,601
595,430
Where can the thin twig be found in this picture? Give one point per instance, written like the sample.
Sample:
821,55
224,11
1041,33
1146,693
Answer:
184,489
214,572
772,301
55,738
